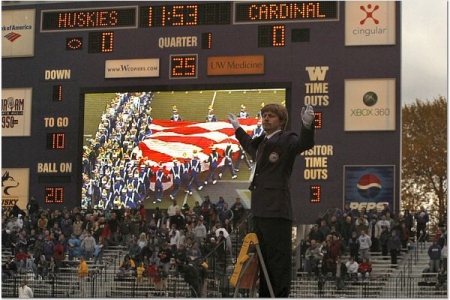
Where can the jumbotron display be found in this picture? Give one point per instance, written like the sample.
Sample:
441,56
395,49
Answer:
113,105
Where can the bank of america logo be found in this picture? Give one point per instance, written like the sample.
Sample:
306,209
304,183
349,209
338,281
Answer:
12,36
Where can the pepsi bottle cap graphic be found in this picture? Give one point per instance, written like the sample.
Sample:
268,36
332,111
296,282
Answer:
369,186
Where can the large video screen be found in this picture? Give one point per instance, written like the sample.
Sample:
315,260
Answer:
153,147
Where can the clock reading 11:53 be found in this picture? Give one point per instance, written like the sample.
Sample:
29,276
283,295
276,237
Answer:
185,15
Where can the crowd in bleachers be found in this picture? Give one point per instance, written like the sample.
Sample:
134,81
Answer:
356,235
156,242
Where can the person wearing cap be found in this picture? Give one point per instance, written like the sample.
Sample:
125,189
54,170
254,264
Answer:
213,160
176,178
258,130
228,161
274,154
159,176
24,290
243,114
175,117
196,168
211,117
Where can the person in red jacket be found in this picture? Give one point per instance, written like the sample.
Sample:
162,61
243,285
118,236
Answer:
364,269
58,255
21,259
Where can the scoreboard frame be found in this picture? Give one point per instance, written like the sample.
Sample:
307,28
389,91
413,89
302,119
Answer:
313,59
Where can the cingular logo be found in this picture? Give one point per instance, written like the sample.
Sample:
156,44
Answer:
369,14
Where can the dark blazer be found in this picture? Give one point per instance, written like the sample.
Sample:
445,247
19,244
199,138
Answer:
271,197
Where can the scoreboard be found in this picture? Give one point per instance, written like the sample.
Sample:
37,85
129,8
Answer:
66,65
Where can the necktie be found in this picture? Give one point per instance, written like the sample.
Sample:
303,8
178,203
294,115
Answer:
259,153
260,149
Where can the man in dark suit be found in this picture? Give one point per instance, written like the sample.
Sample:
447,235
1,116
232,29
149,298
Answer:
274,154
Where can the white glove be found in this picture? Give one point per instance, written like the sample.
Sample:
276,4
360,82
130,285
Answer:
234,121
307,116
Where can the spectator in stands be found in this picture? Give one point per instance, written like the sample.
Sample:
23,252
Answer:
134,251
151,272
99,251
442,241
361,224
339,272
180,259
83,271
24,290
125,231
238,212
38,248
127,267
384,222
58,255
422,219
174,237
225,214
42,267
48,247
9,269
20,259
31,263
165,254
154,243
142,241
316,234
200,231
441,282
334,223
404,236
364,269
386,209
32,206
434,253
311,257
390,219
178,220
352,267
88,246
77,226
74,247
140,274
324,229
321,271
374,232
409,221
226,236
172,209
353,245
346,229
394,246
336,248
365,243
384,240
193,254
159,278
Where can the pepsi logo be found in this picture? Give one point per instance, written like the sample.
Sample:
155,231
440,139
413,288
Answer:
369,186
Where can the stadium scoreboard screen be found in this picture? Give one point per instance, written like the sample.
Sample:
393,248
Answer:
102,99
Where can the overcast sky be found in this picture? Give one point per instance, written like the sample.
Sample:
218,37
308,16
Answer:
424,50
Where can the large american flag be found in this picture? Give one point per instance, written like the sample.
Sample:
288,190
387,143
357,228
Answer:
178,140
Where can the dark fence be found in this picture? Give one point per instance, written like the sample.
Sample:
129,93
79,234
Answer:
108,284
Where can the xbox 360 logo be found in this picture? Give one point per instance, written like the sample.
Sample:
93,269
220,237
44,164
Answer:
370,98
